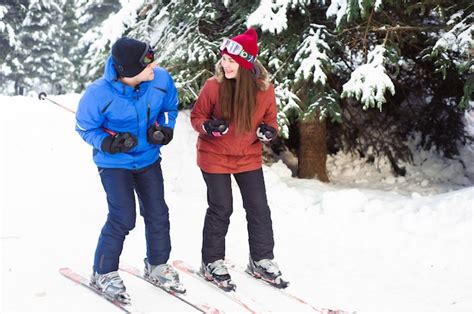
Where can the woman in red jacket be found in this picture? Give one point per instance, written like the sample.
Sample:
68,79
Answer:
234,113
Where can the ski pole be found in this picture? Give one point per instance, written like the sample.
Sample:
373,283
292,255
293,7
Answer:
43,96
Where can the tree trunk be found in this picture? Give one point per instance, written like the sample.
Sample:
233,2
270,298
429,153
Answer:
312,153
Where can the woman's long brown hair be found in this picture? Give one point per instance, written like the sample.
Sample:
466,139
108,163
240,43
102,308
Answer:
237,98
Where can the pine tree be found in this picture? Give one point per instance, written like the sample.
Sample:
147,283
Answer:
11,16
70,37
39,61
101,23
299,55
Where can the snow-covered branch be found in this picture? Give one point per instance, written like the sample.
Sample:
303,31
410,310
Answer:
459,40
270,16
369,82
312,55
348,10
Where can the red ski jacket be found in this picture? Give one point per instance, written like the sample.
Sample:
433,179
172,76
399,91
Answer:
233,152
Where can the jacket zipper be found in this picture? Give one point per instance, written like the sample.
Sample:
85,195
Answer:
135,97
148,115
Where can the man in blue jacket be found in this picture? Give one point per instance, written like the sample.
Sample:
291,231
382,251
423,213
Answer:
126,116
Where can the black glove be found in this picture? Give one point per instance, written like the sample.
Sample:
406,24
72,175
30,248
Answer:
266,133
158,134
215,127
118,143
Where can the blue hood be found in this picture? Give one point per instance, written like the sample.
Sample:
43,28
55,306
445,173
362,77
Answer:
111,76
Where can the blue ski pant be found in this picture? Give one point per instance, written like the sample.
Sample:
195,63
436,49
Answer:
216,223
120,186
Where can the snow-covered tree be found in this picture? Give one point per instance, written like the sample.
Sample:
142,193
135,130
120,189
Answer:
101,22
41,40
52,37
11,16
297,48
71,33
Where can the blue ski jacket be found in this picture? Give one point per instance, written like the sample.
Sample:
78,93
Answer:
110,104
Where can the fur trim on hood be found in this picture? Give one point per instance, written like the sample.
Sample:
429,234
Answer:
261,74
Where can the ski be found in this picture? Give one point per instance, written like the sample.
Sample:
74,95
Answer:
232,295
232,266
70,274
203,308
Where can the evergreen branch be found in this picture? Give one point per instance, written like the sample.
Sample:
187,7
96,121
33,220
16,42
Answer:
407,28
194,78
398,28
272,77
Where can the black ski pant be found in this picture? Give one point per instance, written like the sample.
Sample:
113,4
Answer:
216,224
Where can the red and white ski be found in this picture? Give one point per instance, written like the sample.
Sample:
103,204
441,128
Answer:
232,295
243,270
81,280
202,307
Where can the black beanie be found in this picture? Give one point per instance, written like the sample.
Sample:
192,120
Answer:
126,54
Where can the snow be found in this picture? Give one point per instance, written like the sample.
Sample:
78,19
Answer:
337,8
270,16
367,241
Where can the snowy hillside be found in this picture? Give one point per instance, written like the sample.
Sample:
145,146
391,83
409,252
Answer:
365,242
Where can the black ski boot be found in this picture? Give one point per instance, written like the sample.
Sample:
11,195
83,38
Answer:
217,273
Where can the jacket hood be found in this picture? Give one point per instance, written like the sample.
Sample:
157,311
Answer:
110,74
261,74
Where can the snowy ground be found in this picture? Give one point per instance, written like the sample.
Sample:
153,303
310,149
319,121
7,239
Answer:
365,242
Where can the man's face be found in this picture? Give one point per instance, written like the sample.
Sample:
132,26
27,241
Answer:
147,74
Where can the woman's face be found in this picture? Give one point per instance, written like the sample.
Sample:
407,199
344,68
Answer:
231,68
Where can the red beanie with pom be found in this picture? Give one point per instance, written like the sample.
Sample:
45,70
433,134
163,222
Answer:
248,40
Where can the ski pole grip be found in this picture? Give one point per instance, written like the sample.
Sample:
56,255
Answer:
221,128
129,142
269,134
158,136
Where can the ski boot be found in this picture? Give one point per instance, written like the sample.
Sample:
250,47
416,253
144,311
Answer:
111,286
219,275
163,275
267,270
